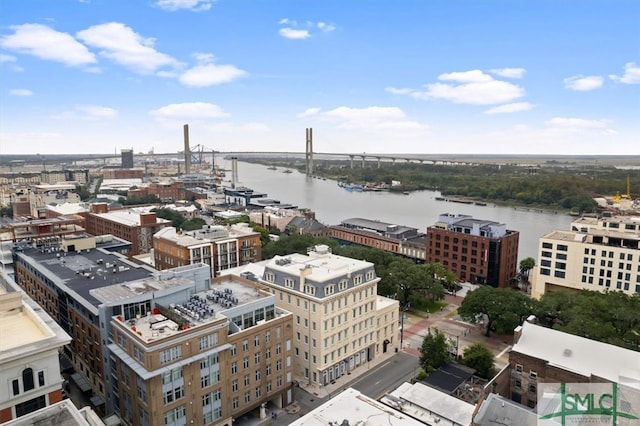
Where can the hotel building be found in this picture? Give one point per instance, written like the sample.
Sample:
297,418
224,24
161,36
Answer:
340,323
477,251
598,254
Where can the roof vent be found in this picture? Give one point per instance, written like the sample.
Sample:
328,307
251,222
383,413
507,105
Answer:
567,352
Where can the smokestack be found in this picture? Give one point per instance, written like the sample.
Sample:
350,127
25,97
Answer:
187,151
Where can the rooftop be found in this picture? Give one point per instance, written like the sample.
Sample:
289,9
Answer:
580,355
87,270
130,217
320,262
350,407
213,305
429,405
497,410
385,228
63,413
24,327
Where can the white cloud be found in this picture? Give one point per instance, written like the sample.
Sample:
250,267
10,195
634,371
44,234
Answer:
87,112
193,5
188,110
327,28
583,83
631,74
20,92
294,31
398,91
508,108
471,87
294,34
124,46
46,43
206,73
575,124
309,112
369,119
508,72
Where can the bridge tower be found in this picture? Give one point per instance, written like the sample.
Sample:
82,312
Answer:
309,151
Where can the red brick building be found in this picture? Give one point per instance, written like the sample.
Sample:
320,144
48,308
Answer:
477,251
136,225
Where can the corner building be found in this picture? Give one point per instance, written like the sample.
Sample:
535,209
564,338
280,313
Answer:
339,321
597,254
204,355
477,251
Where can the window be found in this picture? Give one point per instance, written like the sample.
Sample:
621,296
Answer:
40,378
256,340
329,289
236,403
342,285
234,350
208,341
234,386
288,283
16,387
27,379
170,354
245,362
256,358
519,368
245,345
234,368
533,374
173,417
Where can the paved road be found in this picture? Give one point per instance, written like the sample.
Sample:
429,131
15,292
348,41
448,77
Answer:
388,376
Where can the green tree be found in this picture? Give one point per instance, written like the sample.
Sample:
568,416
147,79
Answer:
176,218
193,224
264,234
526,265
478,357
501,309
611,317
435,351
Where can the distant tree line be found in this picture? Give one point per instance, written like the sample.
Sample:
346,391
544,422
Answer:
566,186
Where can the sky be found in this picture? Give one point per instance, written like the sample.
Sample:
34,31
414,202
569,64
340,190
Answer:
553,77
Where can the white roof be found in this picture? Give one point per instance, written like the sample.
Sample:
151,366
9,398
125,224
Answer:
430,405
130,217
357,409
580,355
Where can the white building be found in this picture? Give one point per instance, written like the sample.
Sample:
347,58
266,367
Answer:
597,254
340,322
30,341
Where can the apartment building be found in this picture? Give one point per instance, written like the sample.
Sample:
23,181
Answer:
397,239
61,281
30,341
597,254
204,353
218,246
137,225
476,250
340,323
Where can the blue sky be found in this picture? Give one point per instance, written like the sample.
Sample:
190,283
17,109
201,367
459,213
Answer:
409,76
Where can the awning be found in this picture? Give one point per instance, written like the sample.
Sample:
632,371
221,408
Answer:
65,363
96,400
82,383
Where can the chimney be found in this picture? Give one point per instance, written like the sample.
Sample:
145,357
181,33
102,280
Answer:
187,152
99,208
147,218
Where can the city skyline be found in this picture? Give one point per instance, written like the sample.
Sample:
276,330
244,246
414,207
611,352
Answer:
526,77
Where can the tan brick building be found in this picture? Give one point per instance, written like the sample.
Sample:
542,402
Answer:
218,246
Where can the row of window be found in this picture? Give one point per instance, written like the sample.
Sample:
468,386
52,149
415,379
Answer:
27,380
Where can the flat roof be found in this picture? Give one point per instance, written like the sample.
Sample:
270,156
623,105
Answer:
430,404
580,355
202,307
356,409
63,413
376,225
130,217
87,270
18,327
323,264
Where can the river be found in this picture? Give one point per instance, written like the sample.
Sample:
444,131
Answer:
419,209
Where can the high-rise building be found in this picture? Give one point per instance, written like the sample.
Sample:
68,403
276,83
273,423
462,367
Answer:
30,342
477,251
126,158
597,254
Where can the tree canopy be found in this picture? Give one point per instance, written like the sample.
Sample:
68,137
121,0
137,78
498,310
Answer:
435,351
480,358
611,317
499,309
